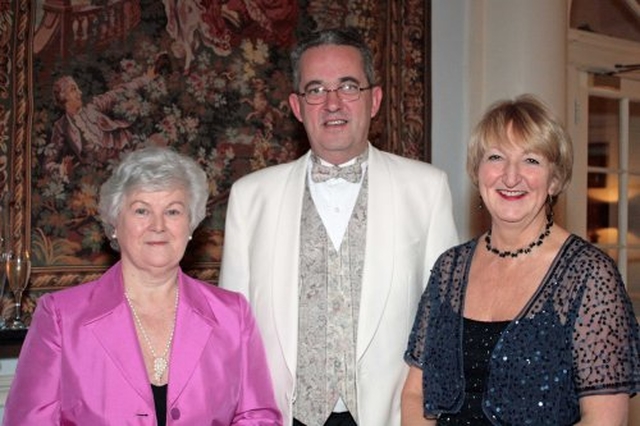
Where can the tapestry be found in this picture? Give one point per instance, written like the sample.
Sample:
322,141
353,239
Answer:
210,78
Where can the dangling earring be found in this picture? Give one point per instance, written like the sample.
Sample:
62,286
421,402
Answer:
113,241
190,237
550,202
480,203
551,199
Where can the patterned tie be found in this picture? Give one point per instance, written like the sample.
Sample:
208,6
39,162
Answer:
351,173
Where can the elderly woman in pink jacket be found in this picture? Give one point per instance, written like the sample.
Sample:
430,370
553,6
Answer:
145,344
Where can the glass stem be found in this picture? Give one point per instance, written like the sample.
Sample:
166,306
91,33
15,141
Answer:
18,306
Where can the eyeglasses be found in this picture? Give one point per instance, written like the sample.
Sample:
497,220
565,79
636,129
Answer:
348,92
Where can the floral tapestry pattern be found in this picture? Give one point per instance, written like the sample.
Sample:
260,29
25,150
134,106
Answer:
84,81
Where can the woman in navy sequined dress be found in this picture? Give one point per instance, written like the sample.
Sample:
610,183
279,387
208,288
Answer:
528,324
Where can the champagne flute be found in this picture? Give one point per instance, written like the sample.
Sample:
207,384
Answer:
18,268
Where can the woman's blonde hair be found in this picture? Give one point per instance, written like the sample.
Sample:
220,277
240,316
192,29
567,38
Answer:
528,123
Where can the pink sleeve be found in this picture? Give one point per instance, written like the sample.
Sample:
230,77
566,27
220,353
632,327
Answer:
34,396
256,404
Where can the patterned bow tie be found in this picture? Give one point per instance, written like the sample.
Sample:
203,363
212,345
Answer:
322,173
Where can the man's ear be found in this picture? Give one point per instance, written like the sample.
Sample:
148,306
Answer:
294,102
376,100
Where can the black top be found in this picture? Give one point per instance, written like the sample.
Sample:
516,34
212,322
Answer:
160,401
479,340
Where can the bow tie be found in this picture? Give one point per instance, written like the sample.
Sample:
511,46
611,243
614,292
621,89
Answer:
322,173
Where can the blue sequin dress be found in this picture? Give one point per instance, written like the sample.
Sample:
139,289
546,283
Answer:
577,336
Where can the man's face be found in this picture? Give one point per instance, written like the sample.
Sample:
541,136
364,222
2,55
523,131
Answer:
337,129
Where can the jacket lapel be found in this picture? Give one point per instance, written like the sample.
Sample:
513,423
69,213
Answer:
378,264
110,319
285,262
193,330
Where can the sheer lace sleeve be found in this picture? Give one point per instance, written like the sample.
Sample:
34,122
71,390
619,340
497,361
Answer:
606,346
415,349
440,308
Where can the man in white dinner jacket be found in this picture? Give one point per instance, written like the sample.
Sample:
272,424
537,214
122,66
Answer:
334,264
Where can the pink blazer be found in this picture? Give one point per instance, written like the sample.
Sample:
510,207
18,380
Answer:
81,363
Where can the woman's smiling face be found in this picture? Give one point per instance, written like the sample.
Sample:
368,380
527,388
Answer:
514,183
153,228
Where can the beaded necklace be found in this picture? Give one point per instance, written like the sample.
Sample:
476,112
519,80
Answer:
523,250
160,363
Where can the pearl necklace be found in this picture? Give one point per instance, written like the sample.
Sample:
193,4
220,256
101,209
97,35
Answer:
523,250
160,363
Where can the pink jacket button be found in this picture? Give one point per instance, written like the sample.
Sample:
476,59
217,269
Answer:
175,413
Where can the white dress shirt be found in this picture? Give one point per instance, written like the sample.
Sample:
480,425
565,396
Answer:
335,199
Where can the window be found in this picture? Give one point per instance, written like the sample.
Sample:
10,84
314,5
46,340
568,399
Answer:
613,178
603,202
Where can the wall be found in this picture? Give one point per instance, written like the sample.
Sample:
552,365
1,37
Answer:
450,85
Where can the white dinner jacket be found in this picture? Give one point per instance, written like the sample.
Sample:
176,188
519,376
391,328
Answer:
409,223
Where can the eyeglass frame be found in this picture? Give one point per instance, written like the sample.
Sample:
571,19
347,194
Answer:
337,90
